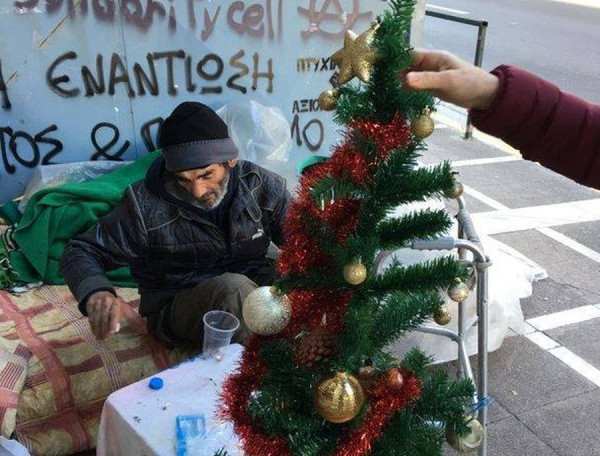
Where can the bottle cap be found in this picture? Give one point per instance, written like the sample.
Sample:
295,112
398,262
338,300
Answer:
156,383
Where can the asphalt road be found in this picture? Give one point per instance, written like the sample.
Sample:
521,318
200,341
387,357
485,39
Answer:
556,40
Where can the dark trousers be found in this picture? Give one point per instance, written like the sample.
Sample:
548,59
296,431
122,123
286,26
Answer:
180,323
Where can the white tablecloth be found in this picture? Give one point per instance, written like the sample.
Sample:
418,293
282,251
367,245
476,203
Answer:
137,420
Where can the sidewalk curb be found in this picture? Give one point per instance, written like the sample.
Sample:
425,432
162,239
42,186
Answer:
478,135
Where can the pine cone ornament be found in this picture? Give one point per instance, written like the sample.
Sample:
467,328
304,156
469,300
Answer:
320,344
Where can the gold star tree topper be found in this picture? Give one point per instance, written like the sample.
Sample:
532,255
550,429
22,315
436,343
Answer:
357,57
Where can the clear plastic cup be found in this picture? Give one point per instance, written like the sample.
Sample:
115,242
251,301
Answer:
219,328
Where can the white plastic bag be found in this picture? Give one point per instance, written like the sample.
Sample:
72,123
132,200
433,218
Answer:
262,135
55,175
12,448
510,278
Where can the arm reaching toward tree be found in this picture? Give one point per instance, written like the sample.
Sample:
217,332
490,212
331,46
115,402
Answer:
452,79
549,126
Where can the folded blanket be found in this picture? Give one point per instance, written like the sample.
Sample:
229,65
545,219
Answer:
54,215
55,375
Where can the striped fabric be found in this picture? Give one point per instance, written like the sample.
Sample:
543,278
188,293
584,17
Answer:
54,374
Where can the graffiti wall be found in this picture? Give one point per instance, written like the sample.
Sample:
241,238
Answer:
93,79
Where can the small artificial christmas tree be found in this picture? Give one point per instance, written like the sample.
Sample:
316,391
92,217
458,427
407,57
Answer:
315,379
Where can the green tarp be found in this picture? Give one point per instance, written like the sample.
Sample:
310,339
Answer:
54,215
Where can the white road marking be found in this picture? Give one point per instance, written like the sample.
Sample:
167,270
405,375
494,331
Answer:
587,3
449,10
572,244
573,212
541,218
485,199
485,161
564,318
542,340
575,362
578,364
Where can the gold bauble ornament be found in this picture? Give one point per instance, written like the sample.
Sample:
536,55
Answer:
442,317
340,398
459,291
266,311
455,191
355,273
470,442
357,57
328,100
423,126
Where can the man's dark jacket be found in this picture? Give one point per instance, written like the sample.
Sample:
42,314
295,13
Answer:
170,247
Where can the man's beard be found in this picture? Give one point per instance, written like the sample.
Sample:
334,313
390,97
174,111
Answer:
216,196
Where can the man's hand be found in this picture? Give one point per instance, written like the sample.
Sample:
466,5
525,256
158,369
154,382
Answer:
452,79
104,313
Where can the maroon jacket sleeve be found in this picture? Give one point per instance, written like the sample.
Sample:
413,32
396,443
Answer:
557,129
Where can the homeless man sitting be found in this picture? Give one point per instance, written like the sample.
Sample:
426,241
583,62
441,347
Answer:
195,233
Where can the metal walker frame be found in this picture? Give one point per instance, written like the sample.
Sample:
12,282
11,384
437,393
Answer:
467,241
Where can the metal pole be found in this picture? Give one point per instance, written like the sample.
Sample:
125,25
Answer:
462,313
481,33
462,334
482,263
453,18
462,349
482,328
478,62
480,43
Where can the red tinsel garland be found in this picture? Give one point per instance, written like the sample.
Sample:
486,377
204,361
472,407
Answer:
384,400
347,161
384,403
386,137
300,254
305,205
235,396
341,216
314,174
309,306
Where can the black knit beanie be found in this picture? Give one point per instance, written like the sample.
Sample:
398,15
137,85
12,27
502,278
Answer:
194,136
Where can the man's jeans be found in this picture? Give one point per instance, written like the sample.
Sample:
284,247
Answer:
180,322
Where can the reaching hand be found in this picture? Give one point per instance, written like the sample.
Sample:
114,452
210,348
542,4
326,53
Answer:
104,313
452,79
